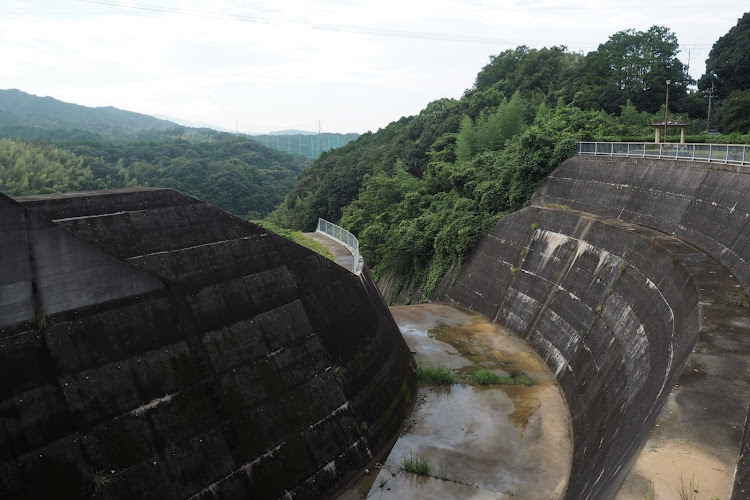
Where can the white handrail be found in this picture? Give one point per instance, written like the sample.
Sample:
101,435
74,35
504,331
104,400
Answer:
342,236
736,154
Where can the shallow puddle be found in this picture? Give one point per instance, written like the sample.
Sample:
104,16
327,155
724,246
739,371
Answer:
501,441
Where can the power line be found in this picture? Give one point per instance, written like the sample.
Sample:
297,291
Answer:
417,35
338,28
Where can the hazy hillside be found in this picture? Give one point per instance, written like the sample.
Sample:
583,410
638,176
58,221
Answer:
18,108
50,146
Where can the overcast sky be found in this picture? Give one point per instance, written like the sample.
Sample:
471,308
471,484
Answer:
269,65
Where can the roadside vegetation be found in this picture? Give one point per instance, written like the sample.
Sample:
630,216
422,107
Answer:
297,237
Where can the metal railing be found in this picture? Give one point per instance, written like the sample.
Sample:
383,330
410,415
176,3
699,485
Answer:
342,236
714,153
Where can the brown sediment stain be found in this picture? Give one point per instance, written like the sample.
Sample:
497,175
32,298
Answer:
490,441
487,345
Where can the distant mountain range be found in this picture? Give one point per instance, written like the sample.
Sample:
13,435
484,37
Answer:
19,109
188,123
30,117
290,132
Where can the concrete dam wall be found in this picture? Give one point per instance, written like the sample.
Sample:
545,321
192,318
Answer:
616,308
154,346
705,205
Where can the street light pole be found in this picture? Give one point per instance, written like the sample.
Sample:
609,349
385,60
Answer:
666,112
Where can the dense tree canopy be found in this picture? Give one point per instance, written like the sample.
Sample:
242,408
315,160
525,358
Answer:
233,173
728,77
633,65
728,63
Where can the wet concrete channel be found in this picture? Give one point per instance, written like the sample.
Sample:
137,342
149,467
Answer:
494,442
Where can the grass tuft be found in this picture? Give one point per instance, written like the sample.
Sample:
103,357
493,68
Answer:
485,377
417,465
649,493
688,491
100,480
437,375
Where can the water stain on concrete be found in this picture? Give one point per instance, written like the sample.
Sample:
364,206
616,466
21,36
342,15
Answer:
503,441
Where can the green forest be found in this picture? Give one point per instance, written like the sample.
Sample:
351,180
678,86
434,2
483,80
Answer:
50,146
232,172
420,192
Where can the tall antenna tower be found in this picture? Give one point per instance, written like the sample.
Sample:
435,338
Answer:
320,139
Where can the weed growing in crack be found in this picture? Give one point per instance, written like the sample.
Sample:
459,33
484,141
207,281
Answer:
689,491
417,464
408,425
100,480
649,492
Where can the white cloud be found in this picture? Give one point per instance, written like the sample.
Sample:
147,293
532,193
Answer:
275,63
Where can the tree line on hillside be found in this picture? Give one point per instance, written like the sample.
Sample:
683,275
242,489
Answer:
232,172
420,192
727,77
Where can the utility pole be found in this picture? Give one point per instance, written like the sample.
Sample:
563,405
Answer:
710,97
666,112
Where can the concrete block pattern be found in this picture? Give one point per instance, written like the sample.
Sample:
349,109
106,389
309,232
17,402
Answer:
184,352
602,305
702,204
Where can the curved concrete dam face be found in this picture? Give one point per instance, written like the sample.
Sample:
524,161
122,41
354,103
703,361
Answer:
703,204
613,306
153,345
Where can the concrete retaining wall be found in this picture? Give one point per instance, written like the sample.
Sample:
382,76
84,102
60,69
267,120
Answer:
612,312
249,367
700,203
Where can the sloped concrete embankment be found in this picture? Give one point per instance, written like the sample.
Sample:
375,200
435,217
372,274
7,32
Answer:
612,312
703,204
181,351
